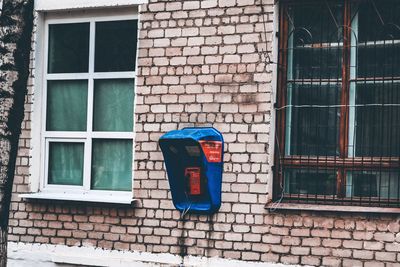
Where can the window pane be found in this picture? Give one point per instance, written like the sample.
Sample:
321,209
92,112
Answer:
314,23
313,119
313,182
116,43
65,163
68,48
377,126
378,20
381,59
314,42
316,63
378,38
113,105
112,165
374,184
66,105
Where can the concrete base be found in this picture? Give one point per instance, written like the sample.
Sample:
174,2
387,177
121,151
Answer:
42,255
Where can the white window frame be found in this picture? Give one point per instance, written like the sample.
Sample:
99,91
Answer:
52,5
41,138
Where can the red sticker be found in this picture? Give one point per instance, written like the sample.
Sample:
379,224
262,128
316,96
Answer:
212,150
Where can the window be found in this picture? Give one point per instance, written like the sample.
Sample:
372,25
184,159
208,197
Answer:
338,112
88,103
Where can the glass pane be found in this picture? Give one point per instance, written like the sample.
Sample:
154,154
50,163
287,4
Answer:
313,119
377,114
66,105
116,43
113,105
314,43
381,59
317,63
380,184
66,163
68,48
378,20
378,38
314,23
312,182
112,165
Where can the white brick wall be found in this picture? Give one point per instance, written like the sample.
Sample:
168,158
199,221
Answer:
200,64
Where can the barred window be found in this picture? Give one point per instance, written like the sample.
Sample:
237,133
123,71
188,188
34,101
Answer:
338,110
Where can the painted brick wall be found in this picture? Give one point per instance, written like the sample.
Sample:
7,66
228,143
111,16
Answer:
202,63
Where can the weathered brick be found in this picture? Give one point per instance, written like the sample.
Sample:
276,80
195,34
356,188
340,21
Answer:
311,242
331,261
320,251
250,256
191,5
332,243
352,263
340,234
370,245
374,264
342,253
280,249
271,239
395,247
363,254
300,251
300,232
156,7
385,237
233,237
310,260
291,241
352,244
385,256
362,235
290,259
279,231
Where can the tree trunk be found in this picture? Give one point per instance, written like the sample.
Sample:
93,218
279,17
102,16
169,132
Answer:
16,20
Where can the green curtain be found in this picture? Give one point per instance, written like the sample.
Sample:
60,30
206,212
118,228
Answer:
66,105
113,105
66,163
112,165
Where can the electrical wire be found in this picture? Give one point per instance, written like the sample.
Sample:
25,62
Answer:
185,211
338,106
265,53
182,219
269,61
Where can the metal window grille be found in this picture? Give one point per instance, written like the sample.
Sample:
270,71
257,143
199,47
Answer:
338,112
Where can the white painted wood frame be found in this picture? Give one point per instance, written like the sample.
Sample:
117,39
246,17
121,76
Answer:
40,137
57,5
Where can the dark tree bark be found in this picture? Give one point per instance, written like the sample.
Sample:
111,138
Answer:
16,20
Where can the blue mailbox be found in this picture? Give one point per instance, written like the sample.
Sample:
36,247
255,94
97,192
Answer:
194,161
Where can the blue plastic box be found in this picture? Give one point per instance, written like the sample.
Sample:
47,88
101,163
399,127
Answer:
185,152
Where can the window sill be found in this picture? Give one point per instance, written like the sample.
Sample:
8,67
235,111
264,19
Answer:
312,207
89,197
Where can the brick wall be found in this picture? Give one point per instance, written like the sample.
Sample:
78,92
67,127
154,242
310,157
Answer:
202,63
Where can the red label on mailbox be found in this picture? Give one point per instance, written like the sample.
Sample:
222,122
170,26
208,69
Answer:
194,180
212,150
